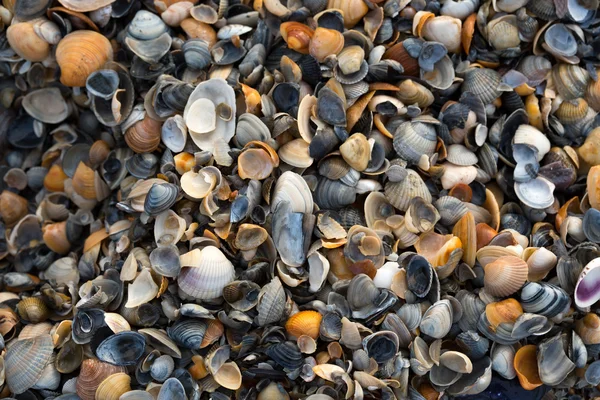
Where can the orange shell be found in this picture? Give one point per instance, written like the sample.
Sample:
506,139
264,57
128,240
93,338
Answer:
593,187
144,135
296,35
99,152
468,30
184,162
94,238
588,328
79,54
93,372
54,181
526,365
304,323
55,237
505,311
83,181
467,233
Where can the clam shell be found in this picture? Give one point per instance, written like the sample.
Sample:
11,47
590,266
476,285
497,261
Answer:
437,320
206,278
68,55
400,193
505,276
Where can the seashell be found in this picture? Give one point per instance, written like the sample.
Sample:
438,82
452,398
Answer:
352,10
570,81
356,151
460,155
540,262
114,386
364,244
286,354
465,230
206,277
93,373
325,42
381,346
112,349
46,105
199,185
526,367
25,361
437,320
297,36
503,32
505,276
544,299
142,290
413,139
553,363
12,208
188,333
412,92
296,154
218,91
400,193
26,43
165,261
251,128
176,13
69,51
292,188
144,136
442,76
537,193
304,323
483,83
146,26
585,293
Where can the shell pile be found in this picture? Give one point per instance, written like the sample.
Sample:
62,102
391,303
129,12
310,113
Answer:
299,199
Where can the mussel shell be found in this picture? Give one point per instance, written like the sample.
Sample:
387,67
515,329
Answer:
123,348
419,275
286,354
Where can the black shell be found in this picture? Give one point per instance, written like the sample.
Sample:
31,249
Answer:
123,348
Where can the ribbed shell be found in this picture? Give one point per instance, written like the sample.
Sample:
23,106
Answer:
401,193
592,94
535,68
570,80
483,83
413,139
304,323
93,372
207,281
505,276
114,386
460,155
333,195
528,26
572,111
543,9
144,136
271,303
25,361
451,209
79,54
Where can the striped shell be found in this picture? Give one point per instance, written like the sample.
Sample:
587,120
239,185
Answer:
505,276
413,140
78,46
570,80
93,373
25,361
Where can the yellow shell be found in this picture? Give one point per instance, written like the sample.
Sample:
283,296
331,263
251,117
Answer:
114,386
572,111
26,43
304,323
79,54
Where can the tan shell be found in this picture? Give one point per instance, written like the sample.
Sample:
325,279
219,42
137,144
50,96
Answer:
85,5
93,372
114,386
352,10
325,42
26,43
356,151
12,207
144,135
79,54
505,276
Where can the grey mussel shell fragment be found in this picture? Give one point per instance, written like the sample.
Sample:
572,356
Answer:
124,348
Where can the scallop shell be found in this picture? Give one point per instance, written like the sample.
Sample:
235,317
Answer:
304,323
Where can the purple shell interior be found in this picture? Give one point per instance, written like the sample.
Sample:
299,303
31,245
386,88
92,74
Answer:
587,291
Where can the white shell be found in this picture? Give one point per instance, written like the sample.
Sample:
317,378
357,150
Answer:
168,228
527,134
206,280
142,290
293,188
